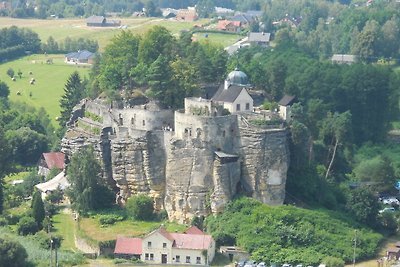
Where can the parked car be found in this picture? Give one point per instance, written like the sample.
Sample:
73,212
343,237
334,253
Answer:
287,265
261,264
390,201
241,263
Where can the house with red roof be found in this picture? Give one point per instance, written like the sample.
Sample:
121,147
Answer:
193,247
229,25
50,161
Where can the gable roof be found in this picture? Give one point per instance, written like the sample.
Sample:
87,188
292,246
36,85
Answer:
286,100
80,55
222,24
194,231
243,18
96,19
259,37
228,95
191,241
54,160
344,58
128,245
59,181
166,234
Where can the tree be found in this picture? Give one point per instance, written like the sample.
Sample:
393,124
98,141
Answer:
73,93
205,8
4,163
13,254
27,226
38,211
159,79
140,207
363,205
4,90
10,72
367,42
333,262
87,190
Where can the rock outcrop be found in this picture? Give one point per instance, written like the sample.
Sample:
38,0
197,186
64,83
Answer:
190,164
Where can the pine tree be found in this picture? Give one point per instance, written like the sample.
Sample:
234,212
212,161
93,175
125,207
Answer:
73,93
38,211
4,162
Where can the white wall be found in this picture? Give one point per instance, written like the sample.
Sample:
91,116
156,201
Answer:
156,248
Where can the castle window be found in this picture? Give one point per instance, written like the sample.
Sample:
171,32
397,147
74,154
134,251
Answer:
247,106
144,122
223,133
237,107
132,121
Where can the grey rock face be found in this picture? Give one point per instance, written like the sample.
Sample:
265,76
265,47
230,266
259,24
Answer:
191,171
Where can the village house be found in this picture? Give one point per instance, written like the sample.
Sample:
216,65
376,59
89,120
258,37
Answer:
51,160
188,14
58,182
244,19
292,22
259,38
193,247
80,57
229,25
344,59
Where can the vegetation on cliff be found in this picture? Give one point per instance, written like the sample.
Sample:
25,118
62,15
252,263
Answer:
289,234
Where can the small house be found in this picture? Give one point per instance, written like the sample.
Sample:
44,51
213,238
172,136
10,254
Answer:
188,14
80,57
229,26
101,21
284,106
50,161
244,19
259,38
58,182
393,253
344,59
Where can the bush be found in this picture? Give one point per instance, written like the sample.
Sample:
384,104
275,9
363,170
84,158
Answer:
109,219
44,240
140,207
3,221
27,225
333,262
12,253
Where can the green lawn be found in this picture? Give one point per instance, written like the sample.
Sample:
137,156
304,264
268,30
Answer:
217,38
49,85
65,226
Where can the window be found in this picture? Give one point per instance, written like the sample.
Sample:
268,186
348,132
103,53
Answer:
146,256
164,245
144,122
198,260
187,259
151,256
237,107
149,244
247,106
178,258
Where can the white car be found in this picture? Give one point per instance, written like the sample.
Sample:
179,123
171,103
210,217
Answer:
391,209
261,264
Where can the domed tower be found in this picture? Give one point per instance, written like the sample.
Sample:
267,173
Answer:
236,77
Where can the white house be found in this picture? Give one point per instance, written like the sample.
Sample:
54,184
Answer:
233,94
193,247
284,106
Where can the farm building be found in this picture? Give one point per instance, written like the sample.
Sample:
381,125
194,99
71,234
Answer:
100,21
187,14
48,161
80,57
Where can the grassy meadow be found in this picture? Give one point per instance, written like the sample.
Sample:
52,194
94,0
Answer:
75,28
50,80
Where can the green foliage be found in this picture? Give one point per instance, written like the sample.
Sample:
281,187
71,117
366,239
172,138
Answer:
4,90
12,253
55,196
93,116
73,93
38,211
27,226
140,207
87,190
10,72
290,234
109,219
333,262
44,240
363,205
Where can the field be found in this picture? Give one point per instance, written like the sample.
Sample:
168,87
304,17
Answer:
75,28
50,80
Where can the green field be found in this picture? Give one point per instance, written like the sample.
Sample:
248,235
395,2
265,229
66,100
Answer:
50,80
75,28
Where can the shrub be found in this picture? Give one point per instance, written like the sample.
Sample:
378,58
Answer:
333,262
3,221
12,253
140,207
44,240
109,219
27,225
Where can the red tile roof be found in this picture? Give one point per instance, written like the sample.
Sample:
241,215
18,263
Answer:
222,24
127,245
194,231
191,241
167,235
54,160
